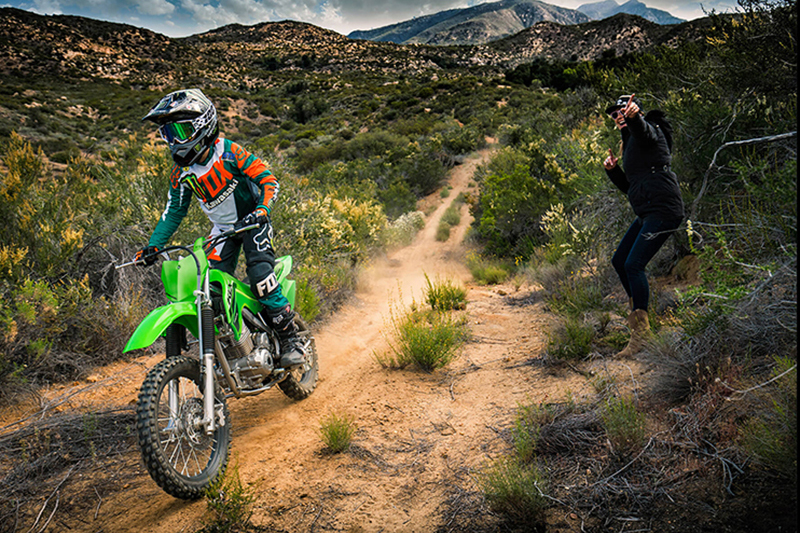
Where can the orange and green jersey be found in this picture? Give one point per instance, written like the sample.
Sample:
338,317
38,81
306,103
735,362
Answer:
231,183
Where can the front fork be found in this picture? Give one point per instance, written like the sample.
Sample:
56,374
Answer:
205,316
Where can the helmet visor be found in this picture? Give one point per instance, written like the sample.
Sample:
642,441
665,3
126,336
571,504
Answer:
177,132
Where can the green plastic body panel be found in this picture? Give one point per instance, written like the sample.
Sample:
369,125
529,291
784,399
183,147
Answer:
180,283
235,296
155,324
180,277
283,265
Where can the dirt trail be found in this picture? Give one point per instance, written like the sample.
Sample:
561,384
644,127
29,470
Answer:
419,434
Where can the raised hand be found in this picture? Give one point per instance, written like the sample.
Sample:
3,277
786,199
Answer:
630,109
611,160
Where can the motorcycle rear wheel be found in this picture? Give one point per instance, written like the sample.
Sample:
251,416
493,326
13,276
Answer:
178,454
302,381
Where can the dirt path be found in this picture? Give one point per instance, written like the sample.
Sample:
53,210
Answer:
419,434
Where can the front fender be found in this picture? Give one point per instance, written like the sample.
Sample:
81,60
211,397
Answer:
155,324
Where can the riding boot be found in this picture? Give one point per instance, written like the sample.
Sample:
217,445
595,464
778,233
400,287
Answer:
639,324
282,322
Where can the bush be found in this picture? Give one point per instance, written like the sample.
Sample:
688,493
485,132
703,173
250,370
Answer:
337,432
527,427
515,490
402,231
452,215
770,433
444,295
442,231
487,270
229,504
429,340
624,425
572,341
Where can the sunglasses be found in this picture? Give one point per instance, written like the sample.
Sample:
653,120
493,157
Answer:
616,114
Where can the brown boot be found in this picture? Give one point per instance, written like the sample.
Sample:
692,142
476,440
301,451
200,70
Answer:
639,323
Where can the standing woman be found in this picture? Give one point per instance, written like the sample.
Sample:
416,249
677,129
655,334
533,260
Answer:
655,196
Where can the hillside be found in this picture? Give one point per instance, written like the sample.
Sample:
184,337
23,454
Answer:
80,49
622,33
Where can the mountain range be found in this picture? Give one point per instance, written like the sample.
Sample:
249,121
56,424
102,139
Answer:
609,8
494,20
78,48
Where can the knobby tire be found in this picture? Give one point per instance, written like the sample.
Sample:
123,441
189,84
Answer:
165,448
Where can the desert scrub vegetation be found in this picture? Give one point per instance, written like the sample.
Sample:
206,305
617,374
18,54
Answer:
229,503
516,491
444,294
401,232
337,431
487,269
450,218
428,339
723,355
82,188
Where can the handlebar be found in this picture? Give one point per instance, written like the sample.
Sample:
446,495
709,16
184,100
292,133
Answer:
208,243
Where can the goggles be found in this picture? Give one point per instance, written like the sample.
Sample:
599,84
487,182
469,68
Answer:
177,132
183,131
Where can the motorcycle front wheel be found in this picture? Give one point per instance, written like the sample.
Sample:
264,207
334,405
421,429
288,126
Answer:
180,457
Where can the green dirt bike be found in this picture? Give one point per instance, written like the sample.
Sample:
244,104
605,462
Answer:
182,419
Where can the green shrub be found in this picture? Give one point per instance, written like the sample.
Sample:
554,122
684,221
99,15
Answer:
452,215
487,270
229,504
770,432
442,231
527,426
577,295
624,425
444,295
307,300
337,432
573,341
429,340
515,490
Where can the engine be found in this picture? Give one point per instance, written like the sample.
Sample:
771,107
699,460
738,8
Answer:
250,358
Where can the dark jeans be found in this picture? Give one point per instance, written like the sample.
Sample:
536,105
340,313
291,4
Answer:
643,239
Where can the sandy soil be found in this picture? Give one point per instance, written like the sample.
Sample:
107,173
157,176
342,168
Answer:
419,435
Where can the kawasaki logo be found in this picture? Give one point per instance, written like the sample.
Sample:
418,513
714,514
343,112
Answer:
224,196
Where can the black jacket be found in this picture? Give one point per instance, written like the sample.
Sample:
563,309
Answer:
650,184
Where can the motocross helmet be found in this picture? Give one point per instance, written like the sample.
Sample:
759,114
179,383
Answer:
187,120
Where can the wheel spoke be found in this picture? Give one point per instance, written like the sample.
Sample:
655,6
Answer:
173,429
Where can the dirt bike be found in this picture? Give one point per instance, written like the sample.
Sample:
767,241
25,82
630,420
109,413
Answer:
182,419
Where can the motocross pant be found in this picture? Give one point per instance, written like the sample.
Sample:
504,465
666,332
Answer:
260,260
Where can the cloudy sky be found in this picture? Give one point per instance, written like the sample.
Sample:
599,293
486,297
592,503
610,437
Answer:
179,18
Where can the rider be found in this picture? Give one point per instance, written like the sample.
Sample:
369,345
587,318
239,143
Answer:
235,189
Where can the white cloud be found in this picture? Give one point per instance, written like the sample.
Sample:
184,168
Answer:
368,14
47,7
154,7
